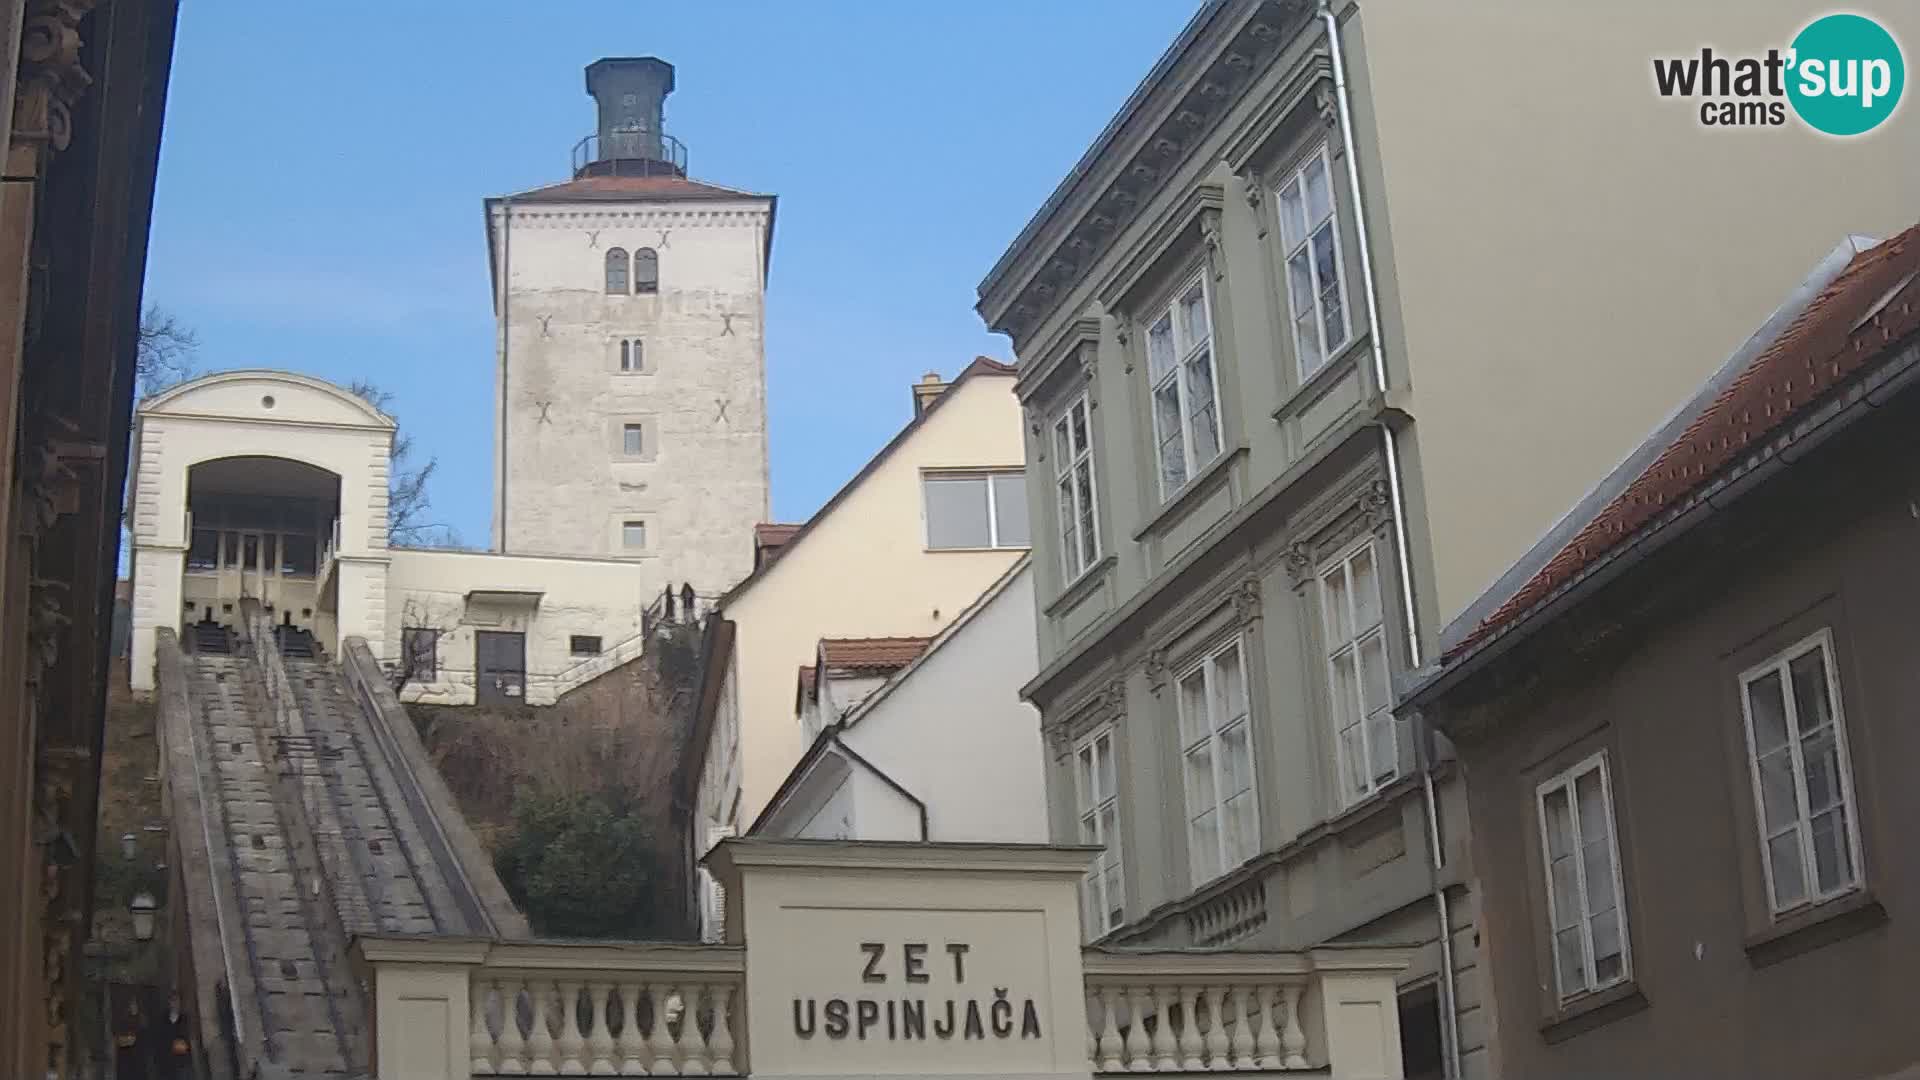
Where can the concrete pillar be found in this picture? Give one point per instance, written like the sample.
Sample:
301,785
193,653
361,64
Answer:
421,1015
1361,1013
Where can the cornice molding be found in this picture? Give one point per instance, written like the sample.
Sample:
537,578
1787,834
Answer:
1187,214
1054,267
608,217
1058,352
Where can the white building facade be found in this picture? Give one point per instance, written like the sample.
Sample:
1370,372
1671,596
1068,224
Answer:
630,395
944,750
630,434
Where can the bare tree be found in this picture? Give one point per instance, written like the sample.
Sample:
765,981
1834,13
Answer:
164,357
407,501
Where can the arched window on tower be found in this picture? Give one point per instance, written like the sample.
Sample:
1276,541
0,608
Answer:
646,271
616,271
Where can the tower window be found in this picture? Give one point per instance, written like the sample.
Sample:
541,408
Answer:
616,271
584,644
633,535
632,359
646,271
632,442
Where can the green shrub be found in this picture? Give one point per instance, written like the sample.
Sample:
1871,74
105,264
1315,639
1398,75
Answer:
580,864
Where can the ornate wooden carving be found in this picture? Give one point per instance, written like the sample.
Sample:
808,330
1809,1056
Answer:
51,79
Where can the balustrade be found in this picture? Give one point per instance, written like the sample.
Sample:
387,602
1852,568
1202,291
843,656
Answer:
560,1009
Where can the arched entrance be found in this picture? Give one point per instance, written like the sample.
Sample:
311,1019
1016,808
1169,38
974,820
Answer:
263,528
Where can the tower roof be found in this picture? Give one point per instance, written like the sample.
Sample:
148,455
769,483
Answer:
620,188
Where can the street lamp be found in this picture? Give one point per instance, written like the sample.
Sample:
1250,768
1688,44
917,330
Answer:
142,908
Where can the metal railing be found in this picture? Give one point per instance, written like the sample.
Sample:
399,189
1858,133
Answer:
630,153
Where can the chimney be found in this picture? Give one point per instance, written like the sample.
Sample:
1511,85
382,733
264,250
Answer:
926,390
631,93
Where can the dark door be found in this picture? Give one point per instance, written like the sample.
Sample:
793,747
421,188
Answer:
501,665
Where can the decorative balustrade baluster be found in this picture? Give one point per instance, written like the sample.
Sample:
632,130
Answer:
480,1040
633,1044
1242,1047
659,1037
722,1041
1190,1029
1217,1029
1137,1058
1164,1051
1266,1040
1293,1041
600,1043
540,1046
1110,1045
512,1046
571,1047
693,1045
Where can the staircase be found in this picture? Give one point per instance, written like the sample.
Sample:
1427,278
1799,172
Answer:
210,639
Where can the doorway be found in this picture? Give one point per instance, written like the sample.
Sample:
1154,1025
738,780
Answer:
500,666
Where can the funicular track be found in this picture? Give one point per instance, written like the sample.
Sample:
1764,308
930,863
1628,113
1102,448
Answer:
318,829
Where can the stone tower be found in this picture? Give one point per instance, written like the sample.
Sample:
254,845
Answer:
630,403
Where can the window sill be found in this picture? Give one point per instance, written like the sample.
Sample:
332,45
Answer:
1326,375
1595,1010
1812,928
976,550
1190,492
1088,580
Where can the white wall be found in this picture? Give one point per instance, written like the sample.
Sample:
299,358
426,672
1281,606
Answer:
264,414
955,733
600,597
864,571
701,483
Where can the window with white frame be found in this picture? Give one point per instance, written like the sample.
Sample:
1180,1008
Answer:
1073,480
1802,776
1586,906
976,510
1216,750
1186,414
1103,895
632,356
1316,293
1358,677
632,439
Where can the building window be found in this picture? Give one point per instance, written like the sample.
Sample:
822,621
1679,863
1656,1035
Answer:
420,651
1422,1052
1186,416
646,271
632,358
616,272
632,440
1802,775
1073,479
1103,896
1316,295
633,535
584,645
299,555
1216,748
203,553
1586,909
976,510
1358,679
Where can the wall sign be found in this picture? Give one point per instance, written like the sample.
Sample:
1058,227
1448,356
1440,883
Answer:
919,1006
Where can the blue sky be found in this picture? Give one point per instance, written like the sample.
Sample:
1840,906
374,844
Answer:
324,164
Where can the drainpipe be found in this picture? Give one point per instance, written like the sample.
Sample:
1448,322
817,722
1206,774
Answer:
506,326
1436,855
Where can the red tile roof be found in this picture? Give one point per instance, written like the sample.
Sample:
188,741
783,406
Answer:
591,188
871,654
1874,301
809,678
773,534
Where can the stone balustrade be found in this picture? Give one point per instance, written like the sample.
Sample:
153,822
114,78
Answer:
592,1009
